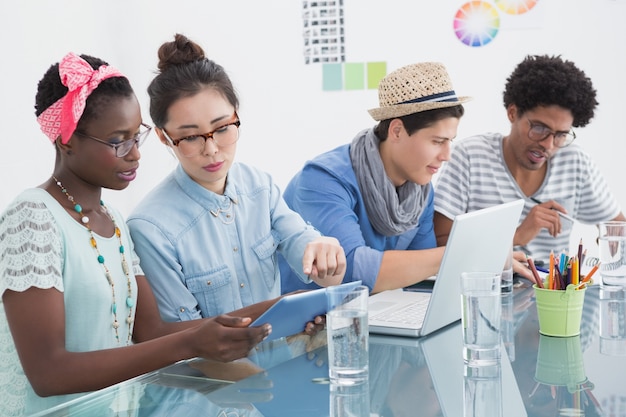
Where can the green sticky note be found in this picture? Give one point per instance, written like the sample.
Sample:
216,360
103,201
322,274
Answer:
376,71
331,77
354,74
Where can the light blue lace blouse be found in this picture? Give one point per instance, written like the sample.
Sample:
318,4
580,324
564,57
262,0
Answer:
42,246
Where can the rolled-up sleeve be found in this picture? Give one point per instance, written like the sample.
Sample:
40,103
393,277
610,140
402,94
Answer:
160,264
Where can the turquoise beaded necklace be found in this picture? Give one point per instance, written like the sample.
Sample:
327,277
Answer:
130,303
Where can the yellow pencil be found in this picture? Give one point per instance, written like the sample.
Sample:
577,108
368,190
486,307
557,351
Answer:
575,271
551,272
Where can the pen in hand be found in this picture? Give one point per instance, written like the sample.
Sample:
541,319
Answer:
565,216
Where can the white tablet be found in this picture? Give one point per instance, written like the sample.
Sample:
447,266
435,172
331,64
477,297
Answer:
290,314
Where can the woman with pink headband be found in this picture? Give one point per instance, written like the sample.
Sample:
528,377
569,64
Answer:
77,313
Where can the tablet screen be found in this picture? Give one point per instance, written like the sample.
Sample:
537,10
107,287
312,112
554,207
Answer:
290,314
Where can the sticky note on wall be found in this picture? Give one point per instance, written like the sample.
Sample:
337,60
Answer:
376,71
332,77
354,76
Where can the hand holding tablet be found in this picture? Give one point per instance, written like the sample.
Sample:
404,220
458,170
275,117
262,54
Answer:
291,313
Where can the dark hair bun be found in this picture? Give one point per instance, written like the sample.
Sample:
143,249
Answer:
180,51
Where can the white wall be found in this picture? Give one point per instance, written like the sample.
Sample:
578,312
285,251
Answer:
287,118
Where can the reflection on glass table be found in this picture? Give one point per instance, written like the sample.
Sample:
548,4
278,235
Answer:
539,375
183,389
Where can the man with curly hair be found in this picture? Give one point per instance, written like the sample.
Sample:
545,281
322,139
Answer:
545,97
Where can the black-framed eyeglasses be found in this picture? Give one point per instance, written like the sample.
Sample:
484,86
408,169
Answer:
123,147
539,132
192,145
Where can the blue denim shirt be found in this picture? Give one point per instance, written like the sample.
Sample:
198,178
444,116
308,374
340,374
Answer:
206,254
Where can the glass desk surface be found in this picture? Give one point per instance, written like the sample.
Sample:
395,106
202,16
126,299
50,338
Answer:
538,375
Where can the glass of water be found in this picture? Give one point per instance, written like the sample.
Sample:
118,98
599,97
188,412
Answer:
348,334
613,252
481,310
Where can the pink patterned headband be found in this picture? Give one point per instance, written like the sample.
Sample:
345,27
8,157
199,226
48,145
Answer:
76,74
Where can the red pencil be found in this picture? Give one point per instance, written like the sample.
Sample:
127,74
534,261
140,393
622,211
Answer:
533,269
558,278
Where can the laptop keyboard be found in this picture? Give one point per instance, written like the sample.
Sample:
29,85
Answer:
411,313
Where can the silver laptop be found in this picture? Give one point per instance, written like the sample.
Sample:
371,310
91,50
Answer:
478,241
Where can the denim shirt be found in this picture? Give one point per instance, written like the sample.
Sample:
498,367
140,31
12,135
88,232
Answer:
206,254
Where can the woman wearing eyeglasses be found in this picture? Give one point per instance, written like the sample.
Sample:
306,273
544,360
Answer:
211,230
77,314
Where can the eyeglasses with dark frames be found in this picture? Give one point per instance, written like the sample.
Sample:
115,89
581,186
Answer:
539,132
123,147
193,145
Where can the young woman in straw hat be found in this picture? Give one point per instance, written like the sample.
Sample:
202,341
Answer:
77,313
213,241
375,194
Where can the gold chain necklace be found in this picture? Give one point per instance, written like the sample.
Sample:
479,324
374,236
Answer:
130,303
228,216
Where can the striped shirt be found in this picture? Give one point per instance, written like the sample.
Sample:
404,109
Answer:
477,177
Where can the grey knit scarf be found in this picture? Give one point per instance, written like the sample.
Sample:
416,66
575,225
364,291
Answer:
392,211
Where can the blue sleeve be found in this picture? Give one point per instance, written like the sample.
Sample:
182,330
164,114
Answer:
328,203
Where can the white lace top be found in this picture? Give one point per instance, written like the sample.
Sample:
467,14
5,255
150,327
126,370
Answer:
42,246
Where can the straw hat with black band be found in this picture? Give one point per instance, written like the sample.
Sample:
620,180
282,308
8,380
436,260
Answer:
415,88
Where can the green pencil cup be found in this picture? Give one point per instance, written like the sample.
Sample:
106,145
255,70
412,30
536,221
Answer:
560,311
560,362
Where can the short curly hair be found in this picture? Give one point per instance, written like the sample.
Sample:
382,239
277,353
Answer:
542,80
